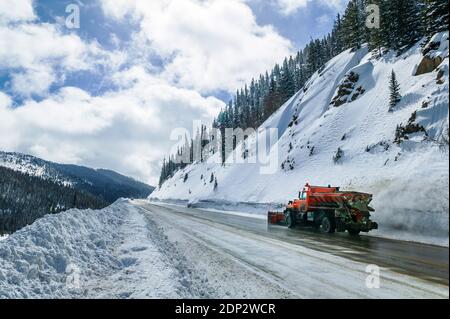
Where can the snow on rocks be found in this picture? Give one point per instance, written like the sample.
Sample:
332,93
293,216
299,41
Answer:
434,53
347,90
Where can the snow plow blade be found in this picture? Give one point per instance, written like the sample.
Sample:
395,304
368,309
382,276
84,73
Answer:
276,218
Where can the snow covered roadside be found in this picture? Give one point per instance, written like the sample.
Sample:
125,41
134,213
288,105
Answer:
119,252
3,237
86,254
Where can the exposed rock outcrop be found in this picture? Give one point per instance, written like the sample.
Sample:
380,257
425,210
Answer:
346,91
433,53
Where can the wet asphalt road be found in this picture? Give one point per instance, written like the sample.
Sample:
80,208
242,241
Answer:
427,262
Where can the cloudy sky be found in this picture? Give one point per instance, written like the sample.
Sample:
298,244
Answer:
108,94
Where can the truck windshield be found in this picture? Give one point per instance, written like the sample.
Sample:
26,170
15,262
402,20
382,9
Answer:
303,195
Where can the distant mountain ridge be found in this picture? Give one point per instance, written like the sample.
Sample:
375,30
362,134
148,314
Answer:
106,184
31,188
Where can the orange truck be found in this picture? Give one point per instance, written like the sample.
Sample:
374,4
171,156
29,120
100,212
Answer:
328,208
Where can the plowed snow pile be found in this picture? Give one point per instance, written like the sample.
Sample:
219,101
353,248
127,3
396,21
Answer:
344,109
109,253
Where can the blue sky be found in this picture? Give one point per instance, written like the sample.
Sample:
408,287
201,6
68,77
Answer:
313,21
135,70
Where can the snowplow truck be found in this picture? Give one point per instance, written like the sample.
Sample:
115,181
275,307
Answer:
328,208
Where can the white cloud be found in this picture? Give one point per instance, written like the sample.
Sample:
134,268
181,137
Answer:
33,81
8,133
35,53
324,20
16,11
208,45
5,100
288,7
126,130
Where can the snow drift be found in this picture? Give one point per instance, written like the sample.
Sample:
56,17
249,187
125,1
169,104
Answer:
109,253
35,261
344,108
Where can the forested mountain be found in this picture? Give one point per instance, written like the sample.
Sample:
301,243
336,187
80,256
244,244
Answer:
102,183
105,184
402,23
25,198
31,188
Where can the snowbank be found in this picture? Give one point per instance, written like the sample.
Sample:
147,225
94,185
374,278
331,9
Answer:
385,153
42,260
110,253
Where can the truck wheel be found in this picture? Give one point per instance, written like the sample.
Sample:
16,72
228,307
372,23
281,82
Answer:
328,226
353,232
290,220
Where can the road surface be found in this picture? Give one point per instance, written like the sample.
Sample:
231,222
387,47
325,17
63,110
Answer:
240,256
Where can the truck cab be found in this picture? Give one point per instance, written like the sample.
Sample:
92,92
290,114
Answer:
302,203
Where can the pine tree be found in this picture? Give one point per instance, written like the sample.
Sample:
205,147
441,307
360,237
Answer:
246,118
401,25
237,110
353,25
407,24
386,33
435,16
394,89
222,121
273,99
163,175
311,58
287,86
336,36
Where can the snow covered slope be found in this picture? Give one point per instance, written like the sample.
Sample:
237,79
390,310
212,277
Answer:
339,130
33,166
